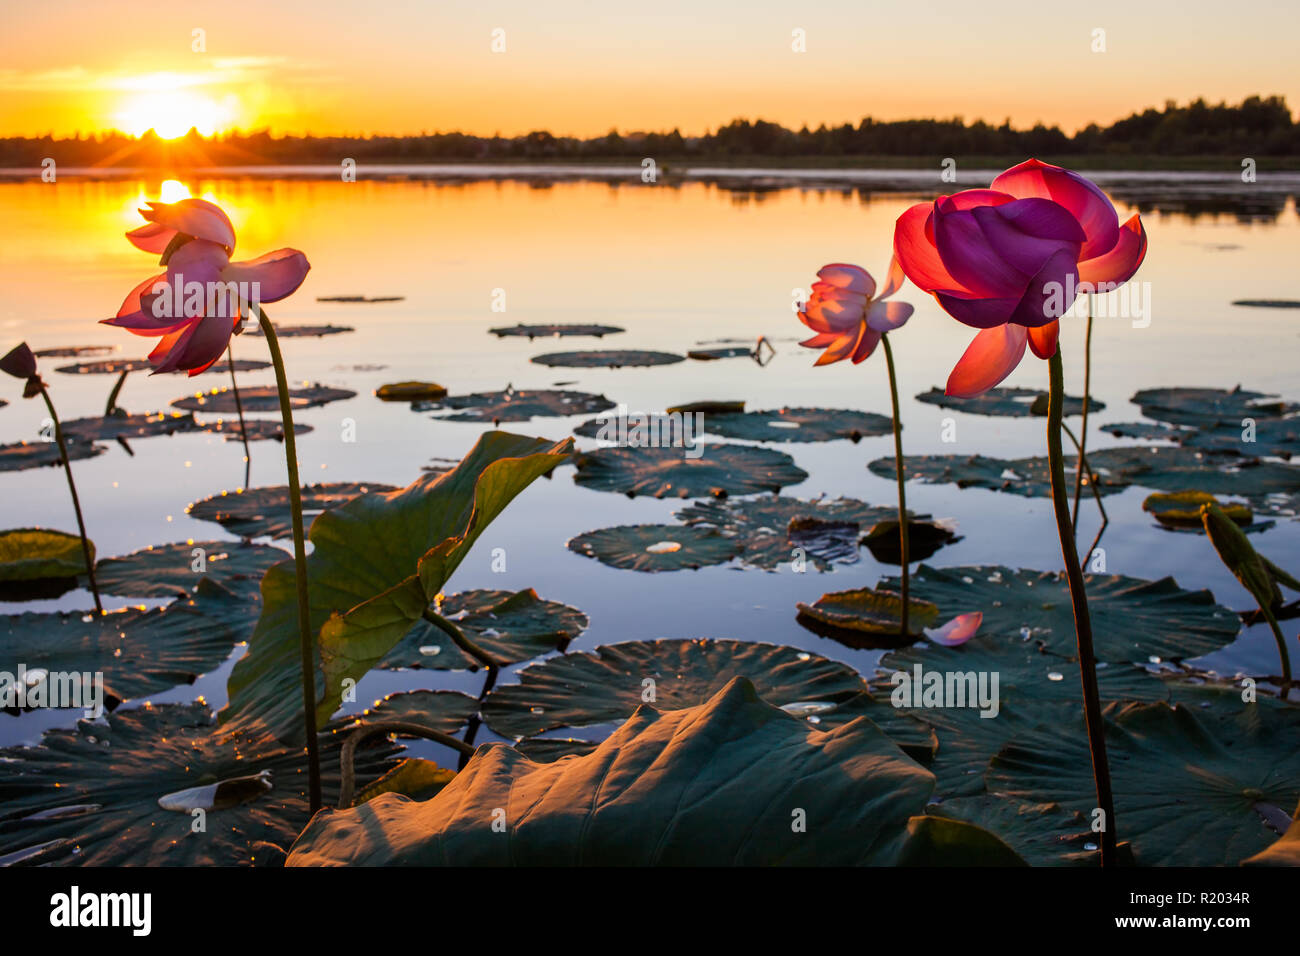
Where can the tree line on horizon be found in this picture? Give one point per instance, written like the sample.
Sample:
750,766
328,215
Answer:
1258,126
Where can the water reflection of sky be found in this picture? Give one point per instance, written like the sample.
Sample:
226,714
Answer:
675,265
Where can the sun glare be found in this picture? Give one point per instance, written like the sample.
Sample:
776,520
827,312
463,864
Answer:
172,113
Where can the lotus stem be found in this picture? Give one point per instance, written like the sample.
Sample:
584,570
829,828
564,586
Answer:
1281,649
1079,600
1083,425
305,643
347,758
465,644
1096,493
76,502
239,408
901,474
111,406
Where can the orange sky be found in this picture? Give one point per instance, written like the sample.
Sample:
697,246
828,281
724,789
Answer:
329,66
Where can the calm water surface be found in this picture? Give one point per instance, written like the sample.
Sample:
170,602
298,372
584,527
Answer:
675,264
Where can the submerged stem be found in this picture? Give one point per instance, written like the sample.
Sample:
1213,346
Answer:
76,502
1083,425
1079,600
239,407
901,474
1096,493
465,644
305,643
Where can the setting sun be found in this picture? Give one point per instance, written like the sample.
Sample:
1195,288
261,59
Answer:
171,113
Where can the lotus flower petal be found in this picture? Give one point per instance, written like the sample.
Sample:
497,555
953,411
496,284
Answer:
1026,232
991,357
1112,269
842,347
970,258
1050,293
848,277
866,345
1042,340
917,255
276,275
894,280
820,340
151,237
194,217
1079,195
887,316
977,312
957,631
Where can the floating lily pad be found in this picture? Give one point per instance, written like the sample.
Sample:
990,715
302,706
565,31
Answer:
139,652
1266,303
304,331
1190,788
255,512
30,554
1044,834
410,392
1203,407
518,405
1027,477
870,612
727,351
714,784
582,689
76,351
106,367
123,425
546,331
22,455
609,358
1006,401
708,408
1147,431
354,299
763,526
510,625
668,472
637,430
924,539
800,425
256,429
445,711
241,365
1132,619
261,398
655,547
1183,509
122,791
171,570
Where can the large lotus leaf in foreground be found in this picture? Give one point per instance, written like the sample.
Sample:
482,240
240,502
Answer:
377,563
732,781
1132,619
91,795
1190,789
583,689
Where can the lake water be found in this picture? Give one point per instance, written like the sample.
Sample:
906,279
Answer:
717,255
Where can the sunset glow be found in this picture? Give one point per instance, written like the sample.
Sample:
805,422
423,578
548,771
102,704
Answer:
172,113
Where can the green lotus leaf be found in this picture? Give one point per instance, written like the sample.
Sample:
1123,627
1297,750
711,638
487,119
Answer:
924,539
607,358
931,841
1146,431
655,547
414,777
1206,407
763,527
118,426
30,554
264,512
410,392
583,689
722,352
378,561
76,351
870,611
171,570
914,736
139,652
261,398
445,711
516,405
1044,834
94,795
1132,619
512,626
1005,401
252,429
549,749
106,367
546,331
1182,509
732,780
800,425
660,472
1192,789
1265,437
1260,304
1028,477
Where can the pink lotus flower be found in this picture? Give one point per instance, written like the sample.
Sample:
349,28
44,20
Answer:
1010,260
195,306
848,315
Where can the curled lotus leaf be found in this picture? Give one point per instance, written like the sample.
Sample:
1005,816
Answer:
121,791
871,612
31,554
655,547
589,688
607,358
660,472
264,512
512,626
800,425
1182,509
260,398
